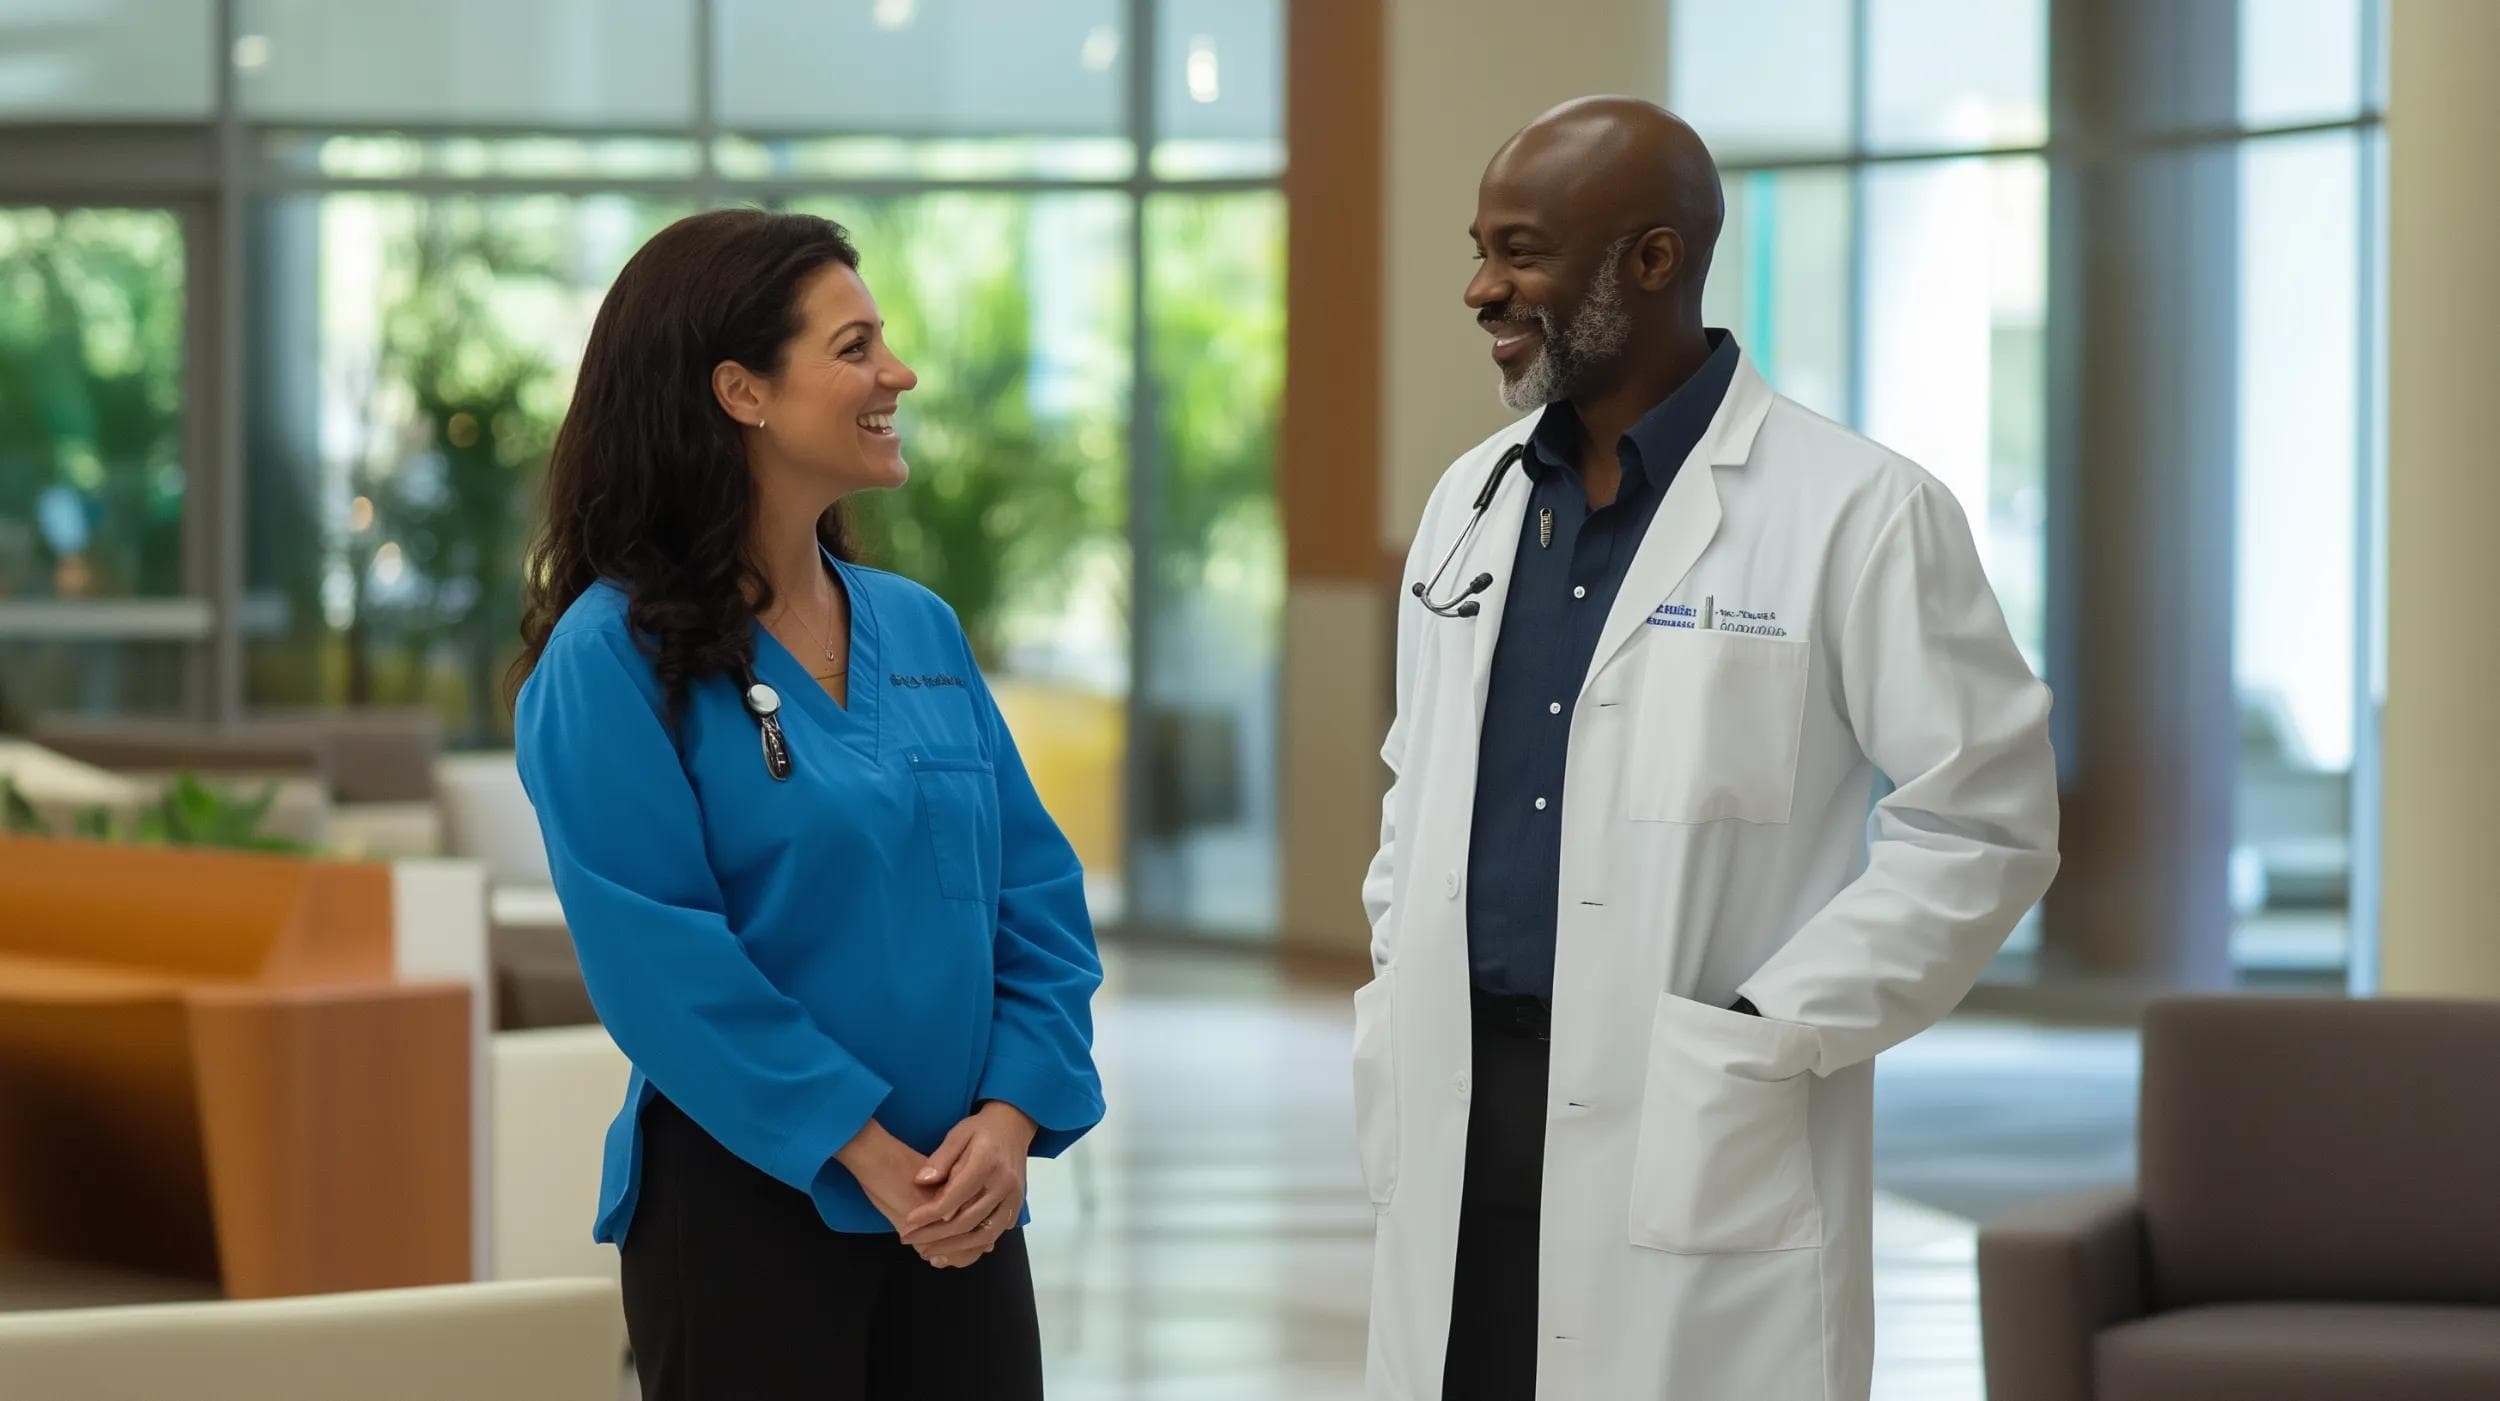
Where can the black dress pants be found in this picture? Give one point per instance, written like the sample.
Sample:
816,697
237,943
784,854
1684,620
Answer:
735,1290
1492,1346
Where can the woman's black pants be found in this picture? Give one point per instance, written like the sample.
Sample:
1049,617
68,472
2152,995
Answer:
735,1290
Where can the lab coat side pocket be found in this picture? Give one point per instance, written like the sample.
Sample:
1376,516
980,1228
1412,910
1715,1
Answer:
959,810
1718,728
1376,1088
1724,1164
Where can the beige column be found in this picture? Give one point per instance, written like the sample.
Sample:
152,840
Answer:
1393,108
2440,902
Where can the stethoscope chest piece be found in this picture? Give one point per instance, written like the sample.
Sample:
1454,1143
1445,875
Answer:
764,703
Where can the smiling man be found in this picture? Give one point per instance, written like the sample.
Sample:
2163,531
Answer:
1633,952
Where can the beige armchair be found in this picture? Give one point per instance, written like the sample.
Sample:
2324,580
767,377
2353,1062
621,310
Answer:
538,1340
2316,1218
556,1089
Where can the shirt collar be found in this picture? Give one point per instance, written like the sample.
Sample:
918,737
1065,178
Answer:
1659,441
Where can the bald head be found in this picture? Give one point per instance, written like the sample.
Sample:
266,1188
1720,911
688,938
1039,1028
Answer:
1595,223
1618,164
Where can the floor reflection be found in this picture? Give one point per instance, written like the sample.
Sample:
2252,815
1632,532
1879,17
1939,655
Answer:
1212,1242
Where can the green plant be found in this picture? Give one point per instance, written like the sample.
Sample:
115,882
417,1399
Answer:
191,813
462,412
18,816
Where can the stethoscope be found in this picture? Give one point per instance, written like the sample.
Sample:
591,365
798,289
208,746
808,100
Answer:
1463,603
764,703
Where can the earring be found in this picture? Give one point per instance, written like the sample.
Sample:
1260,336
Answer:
759,423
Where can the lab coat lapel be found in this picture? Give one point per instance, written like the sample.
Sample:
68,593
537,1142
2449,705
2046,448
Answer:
1686,519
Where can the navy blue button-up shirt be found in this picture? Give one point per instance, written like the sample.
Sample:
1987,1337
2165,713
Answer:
1560,589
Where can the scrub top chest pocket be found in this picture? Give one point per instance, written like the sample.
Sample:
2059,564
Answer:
1716,726
959,811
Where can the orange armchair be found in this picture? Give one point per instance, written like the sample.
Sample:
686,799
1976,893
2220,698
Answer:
214,1065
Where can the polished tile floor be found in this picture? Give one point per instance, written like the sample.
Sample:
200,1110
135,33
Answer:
1211,1242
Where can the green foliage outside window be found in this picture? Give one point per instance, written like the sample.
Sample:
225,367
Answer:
91,321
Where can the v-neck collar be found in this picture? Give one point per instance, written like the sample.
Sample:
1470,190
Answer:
857,723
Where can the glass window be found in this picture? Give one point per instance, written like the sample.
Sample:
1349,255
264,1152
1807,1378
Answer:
1780,280
2295,644
1764,77
1956,74
2300,61
142,60
412,358
91,392
1953,352
551,63
1206,840
1220,88
923,68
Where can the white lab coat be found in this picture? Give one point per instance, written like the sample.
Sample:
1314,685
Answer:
1707,1186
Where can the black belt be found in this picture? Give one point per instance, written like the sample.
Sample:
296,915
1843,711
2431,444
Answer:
1529,1018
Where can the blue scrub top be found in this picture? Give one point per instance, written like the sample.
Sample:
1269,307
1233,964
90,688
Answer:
897,932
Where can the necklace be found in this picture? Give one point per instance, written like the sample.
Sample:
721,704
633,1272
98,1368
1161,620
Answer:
824,645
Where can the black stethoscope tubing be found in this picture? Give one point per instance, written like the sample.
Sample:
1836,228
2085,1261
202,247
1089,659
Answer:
1463,603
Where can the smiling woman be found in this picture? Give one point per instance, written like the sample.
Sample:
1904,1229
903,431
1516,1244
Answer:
823,1129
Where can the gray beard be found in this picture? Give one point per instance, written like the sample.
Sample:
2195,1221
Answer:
1571,351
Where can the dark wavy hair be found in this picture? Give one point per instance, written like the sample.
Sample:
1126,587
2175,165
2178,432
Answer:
647,485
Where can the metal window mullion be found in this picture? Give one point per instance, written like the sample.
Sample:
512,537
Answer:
1143,494
707,102
692,186
224,689
2079,149
1860,69
2362,837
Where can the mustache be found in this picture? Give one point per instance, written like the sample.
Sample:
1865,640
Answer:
1505,314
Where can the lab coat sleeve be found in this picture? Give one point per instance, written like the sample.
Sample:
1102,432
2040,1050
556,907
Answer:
1380,879
1944,705
1041,1056
667,974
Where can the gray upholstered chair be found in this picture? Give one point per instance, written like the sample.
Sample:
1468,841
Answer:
2316,1218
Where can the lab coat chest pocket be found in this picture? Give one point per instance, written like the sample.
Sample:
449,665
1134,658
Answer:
1724,1163
1716,727
959,811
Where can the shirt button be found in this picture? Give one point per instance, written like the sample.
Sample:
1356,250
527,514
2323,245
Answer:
1449,885
1554,709
1540,805
1579,591
1459,1084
